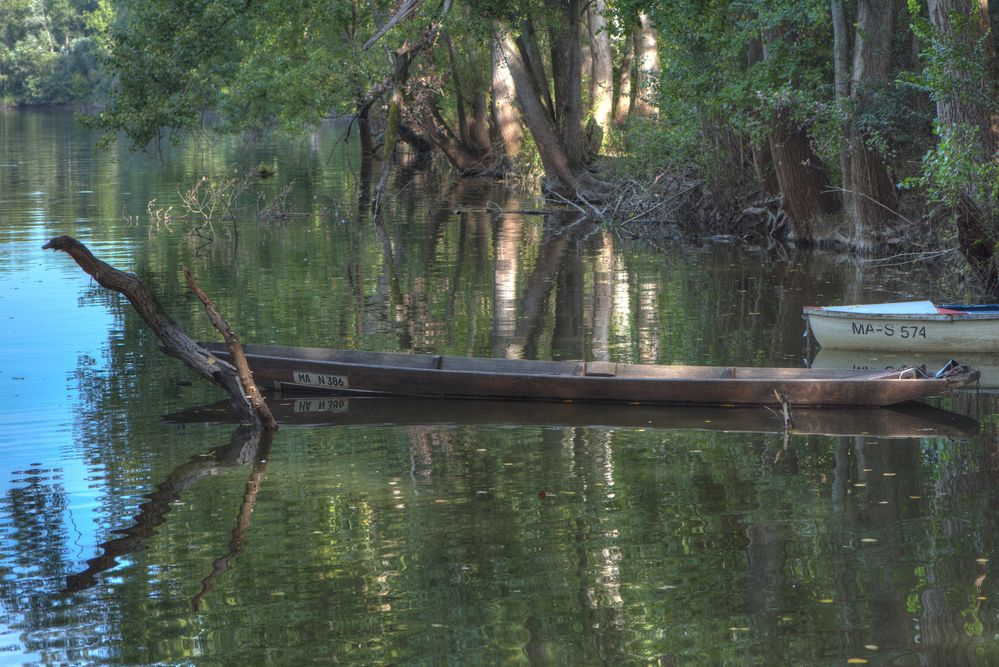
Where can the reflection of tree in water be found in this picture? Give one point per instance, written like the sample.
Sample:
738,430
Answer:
934,603
246,446
35,542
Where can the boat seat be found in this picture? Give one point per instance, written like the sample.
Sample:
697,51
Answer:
597,369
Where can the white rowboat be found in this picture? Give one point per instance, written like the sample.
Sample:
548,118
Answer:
911,326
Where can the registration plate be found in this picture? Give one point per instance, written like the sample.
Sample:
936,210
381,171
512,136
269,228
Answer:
320,380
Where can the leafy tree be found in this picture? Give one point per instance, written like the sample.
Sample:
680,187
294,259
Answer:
49,49
960,75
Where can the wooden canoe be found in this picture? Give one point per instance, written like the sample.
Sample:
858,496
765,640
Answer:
912,420
911,326
390,373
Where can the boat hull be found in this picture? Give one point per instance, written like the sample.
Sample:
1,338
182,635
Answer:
349,372
905,332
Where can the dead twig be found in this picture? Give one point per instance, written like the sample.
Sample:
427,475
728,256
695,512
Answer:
235,353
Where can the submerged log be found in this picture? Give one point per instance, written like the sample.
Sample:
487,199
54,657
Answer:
245,400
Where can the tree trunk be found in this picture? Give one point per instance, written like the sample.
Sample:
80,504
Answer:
602,75
841,74
480,122
802,179
965,107
873,192
965,103
647,55
624,82
553,159
567,77
527,41
466,158
505,118
763,159
561,176
763,167
364,131
459,92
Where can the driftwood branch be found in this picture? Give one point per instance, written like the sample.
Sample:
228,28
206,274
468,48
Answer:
175,342
251,393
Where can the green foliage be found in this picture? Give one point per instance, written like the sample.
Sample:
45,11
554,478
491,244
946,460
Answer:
955,70
713,97
255,64
49,51
952,66
952,170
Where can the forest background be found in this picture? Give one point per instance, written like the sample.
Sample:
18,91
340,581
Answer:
869,125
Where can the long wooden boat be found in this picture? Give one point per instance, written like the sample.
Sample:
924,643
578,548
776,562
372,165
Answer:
352,372
911,420
910,326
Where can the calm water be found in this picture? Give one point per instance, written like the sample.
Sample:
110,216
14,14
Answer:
429,532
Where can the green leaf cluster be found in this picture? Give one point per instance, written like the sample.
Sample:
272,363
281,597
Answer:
233,64
49,51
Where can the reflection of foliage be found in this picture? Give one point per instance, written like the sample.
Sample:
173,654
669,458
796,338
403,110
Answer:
35,544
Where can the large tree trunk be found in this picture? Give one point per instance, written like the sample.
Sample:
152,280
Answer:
647,55
602,74
532,105
873,195
965,102
965,108
567,77
803,181
624,82
509,132
562,175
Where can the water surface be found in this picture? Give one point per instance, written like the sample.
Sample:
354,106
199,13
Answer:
446,533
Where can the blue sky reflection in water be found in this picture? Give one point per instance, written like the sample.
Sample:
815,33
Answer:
427,533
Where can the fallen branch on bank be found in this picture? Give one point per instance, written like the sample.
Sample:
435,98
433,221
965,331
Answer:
238,383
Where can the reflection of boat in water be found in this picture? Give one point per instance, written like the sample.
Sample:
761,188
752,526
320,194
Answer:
901,421
986,364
